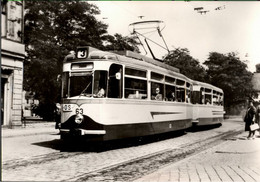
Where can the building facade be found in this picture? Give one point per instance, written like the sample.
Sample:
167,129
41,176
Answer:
12,58
256,85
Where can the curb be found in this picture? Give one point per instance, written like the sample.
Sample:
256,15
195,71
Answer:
27,134
29,130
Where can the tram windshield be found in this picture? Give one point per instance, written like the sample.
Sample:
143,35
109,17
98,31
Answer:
80,84
85,84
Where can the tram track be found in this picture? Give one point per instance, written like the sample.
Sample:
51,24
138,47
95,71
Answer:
16,163
126,170
135,168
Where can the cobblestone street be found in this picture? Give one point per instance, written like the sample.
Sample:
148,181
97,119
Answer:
56,165
237,159
123,91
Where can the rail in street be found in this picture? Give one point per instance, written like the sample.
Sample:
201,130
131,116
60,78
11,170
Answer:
130,170
116,163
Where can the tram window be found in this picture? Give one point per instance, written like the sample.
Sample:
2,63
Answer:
170,80
135,88
170,93
100,83
115,82
134,72
180,82
180,94
78,66
202,101
215,100
195,97
221,100
80,83
208,90
188,85
157,92
157,76
65,80
208,99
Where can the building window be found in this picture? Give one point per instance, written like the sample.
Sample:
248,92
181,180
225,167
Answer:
14,20
3,16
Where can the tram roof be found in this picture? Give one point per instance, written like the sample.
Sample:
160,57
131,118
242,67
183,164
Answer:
207,85
132,58
142,58
93,53
126,57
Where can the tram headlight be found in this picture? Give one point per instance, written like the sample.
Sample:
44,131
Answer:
79,118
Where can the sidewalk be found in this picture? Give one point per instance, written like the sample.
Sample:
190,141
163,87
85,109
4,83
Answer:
32,127
236,159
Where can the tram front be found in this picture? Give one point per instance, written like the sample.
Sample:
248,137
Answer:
84,88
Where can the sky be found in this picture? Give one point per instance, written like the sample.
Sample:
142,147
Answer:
233,28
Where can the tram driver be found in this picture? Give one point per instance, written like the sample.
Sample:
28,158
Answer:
101,92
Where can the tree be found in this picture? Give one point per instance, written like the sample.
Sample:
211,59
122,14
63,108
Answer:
257,68
190,67
230,73
121,43
52,30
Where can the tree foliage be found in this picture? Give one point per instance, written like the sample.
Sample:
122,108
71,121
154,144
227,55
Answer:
225,71
257,68
190,67
121,43
52,30
230,73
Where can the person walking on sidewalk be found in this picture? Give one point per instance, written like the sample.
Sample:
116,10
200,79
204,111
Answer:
57,115
257,115
249,119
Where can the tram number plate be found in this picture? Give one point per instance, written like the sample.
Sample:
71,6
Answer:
79,111
67,107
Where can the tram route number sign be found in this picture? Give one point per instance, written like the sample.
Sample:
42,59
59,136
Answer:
82,53
67,107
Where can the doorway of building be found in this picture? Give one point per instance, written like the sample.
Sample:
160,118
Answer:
3,83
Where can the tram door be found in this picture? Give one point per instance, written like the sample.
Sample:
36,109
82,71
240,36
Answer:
115,81
195,100
3,83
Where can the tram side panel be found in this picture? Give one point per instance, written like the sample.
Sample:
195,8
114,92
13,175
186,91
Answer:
172,117
209,115
117,119
121,120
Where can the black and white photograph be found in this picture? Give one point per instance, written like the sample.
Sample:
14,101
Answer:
135,91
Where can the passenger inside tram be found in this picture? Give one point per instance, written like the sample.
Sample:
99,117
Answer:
171,96
158,95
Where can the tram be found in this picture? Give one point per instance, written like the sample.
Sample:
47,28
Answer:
108,96
208,104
